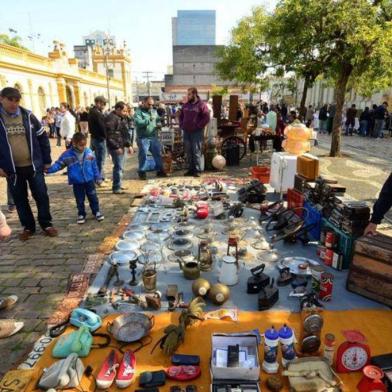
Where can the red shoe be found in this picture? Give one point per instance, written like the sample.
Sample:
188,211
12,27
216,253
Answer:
108,371
126,371
183,373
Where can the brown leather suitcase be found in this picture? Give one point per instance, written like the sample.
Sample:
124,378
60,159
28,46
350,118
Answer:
308,166
370,272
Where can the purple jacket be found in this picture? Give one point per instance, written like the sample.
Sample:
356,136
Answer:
194,116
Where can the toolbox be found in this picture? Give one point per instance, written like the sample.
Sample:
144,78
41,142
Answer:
308,166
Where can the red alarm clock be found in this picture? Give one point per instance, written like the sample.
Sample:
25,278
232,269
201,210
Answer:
372,380
352,355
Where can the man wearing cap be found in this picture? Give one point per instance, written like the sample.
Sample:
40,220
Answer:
24,154
97,128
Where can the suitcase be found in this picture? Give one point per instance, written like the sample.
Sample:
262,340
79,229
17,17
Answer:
308,166
300,183
370,272
283,169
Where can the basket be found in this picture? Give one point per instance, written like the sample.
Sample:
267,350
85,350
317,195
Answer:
313,217
295,199
262,173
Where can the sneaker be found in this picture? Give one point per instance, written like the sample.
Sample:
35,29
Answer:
9,328
99,217
161,174
196,174
108,371
118,192
189,173
142,176
25,234
11,208
81,219
51,231
126,371
8,302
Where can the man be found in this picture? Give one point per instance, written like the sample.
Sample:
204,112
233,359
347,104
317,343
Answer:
147,123
193,119
118,139
272,119
381,206
309,116
323,119
350,120
379,120
67,125
24,154
97,128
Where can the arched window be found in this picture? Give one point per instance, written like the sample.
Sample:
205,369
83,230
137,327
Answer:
41,100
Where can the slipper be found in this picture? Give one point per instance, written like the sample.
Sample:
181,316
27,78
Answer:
8,302
10,327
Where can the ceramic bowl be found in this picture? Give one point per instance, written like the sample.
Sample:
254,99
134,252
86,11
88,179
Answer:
126,245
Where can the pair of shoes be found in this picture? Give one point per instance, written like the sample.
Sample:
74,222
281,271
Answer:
99,217
142,176
11,208
112,368
196,174
161,174
81,219
51,231
189,173
25,234
118,191
10,327
8,302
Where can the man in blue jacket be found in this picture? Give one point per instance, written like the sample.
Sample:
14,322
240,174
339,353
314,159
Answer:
24,154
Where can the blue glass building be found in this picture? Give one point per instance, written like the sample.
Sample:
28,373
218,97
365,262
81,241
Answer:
194,27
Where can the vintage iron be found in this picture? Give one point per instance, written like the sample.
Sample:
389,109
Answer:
204,256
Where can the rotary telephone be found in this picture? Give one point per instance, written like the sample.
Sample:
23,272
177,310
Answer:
85,317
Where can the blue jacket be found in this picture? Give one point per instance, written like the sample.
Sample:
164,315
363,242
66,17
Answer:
37,140
77,173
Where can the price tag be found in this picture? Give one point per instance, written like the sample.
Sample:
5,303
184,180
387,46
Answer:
37,352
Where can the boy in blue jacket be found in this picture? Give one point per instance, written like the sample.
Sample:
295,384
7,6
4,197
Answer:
82,173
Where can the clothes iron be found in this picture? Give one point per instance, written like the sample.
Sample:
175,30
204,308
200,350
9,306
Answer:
86,318
268,296
258,280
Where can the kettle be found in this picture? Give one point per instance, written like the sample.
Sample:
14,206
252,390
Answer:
190,268
228,274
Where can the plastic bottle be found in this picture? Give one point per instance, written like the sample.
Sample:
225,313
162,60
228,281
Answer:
271,342
286,338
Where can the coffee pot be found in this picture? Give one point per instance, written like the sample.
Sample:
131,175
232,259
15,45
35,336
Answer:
228,274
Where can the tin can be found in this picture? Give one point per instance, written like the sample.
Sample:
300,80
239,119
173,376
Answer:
328,257
317,270
329,239
326,286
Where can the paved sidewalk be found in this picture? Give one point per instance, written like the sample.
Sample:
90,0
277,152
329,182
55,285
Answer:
38,270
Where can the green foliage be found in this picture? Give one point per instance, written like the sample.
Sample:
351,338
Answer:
215,90
14,41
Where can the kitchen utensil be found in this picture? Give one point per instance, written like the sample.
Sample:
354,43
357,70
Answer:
127,245
190,268
229,271
122,257
131,327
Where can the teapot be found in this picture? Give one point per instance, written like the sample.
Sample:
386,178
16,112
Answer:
228,274
190,267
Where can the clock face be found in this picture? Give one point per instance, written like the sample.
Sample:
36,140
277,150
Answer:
354,358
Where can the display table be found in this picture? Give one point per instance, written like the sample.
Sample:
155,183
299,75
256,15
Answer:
376,325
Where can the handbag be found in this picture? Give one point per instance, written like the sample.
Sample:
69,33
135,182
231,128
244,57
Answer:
63,374
78,342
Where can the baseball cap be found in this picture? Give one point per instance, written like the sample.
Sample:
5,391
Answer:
10,92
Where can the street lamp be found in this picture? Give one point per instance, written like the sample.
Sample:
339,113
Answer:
108,46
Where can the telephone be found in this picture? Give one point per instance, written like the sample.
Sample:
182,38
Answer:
85,317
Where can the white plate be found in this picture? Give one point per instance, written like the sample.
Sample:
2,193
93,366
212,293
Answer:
125,245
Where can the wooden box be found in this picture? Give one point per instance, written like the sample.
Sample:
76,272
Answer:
371,269
308,166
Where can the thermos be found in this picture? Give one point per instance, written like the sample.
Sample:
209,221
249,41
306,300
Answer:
286,338
271,343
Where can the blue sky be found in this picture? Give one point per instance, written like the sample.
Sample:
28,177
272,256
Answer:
144,24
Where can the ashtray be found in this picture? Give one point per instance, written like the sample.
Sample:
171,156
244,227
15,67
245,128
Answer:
180,244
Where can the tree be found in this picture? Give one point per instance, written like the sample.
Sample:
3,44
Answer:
14,41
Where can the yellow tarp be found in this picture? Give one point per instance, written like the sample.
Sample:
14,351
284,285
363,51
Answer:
376,325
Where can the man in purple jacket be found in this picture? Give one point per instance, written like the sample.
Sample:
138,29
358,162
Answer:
194,117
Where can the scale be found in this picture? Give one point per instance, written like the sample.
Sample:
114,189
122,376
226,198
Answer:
372,380
352,355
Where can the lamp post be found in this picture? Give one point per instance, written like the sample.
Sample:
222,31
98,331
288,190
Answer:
108,46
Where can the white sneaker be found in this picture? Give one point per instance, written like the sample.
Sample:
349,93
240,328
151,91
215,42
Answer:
99,217
81,219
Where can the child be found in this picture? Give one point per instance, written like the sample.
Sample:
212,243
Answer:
82,175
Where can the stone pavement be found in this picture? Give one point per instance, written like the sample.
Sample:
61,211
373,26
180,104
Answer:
38,270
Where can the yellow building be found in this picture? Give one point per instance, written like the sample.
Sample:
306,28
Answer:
47,81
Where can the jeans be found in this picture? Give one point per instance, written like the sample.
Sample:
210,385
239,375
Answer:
193,143
36,182
145,145
379,127
10,199
363,127
350,124
118,167
99,148
83,190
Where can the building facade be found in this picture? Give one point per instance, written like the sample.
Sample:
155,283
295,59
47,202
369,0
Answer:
194,27
47,81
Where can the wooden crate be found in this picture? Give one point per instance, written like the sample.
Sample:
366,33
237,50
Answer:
308,166
371,269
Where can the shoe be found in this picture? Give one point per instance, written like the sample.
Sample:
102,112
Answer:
8,302
11,208
196,175
10,327
161,174
51,231
81,219
99,217
25,234
126,371
142,176
108,371
123,188
118,192
189,173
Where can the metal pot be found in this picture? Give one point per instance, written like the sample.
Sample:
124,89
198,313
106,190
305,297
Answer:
122,257
130,327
